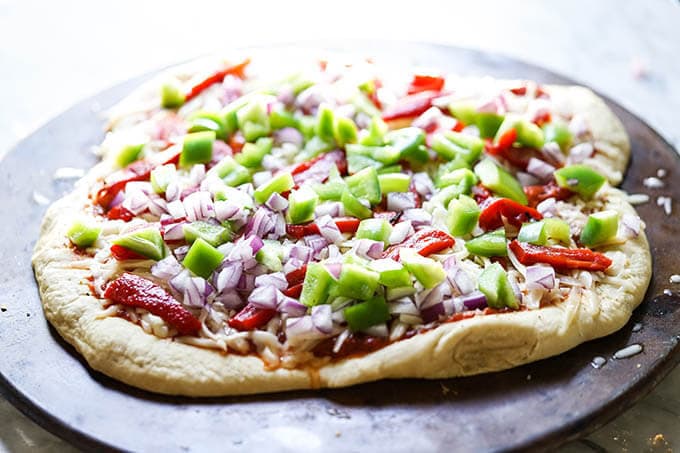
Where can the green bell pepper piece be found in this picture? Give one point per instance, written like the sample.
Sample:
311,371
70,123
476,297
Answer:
345,131
375,229
538,233
494,283
83,235
426,270
280,118
390,169
366,185
252,153
313,148
463,216
202,258
489,244
301,205
409,143
391,273
147,242
271,255
580,179
212,234
356,282
462,177
231,172
488,123
356,163
171,96
363,104
197,148
464,111
316,286
354,207
528,134
558,133
375,134
454,145
600,228
325,120
208,121
385,154
394,182
162,176
129,154
366,314
279,184
500,181
253,120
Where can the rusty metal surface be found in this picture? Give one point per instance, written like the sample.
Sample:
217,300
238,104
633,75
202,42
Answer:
537,406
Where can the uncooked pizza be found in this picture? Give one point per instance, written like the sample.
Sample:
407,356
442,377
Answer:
258,227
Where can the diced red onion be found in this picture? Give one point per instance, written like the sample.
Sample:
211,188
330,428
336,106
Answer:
196,174
279,226
401,201
417,216
309,100
553,150
225,210
181,252
334,269
321,318
547,207
331,208
173,231
579,153
276,202
198,206
403,306
301,253
526,179
246,283
328,229
230,299
157,205
135,201
475,300
333,252
118,199
229,276
540,277
176,209
232,89
261,177
432,312
578,126
317,243
166,268
288,135
422,183
264,297
540,169
276,279
247,189
630,225
401,231
379,330
367,248
286,95
261,224
173,191
292,264
429,119
515,288
457,277
301,329
290,306
195,290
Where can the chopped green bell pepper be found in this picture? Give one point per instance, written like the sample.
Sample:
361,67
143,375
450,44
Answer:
375,229
391,273
494,283
538,233
253,120
197,148
463,215
208,121
356,163
271,255
316,285
162,176
353,206
279,184
366,314
129,154
231,172
375,135
528,134
301,205
409,143
252,153
451,145
202,258
314,147
147,242
171,96
325,120
558,133
212,234
394,182
83,235
426,270
356,282
280,118
345,131
489,244
500,181
600,228
580,179
365,184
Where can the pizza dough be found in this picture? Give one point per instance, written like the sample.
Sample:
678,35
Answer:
124,351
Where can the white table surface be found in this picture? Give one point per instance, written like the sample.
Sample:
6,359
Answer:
54,53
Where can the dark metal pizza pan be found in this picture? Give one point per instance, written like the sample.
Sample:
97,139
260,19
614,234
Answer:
536,406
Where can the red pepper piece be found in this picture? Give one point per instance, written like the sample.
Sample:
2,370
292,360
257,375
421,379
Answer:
519,91
236,142
541,118
505,142
119,213
520,157
560,258
317,169
114,183
344,224
425,83
134,291
536,194
458,127
296,276
410,106
514,213
294,291
425,242
236,70
121,253
251,317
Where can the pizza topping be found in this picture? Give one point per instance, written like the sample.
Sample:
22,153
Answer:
323,213
134,291
83,235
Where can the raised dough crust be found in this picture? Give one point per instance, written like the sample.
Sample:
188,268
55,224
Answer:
125,352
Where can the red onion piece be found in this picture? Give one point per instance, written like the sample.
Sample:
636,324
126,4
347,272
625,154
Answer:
317,243
301,329
401,231
476,300
630,226
429,120
367,248
321,318
246,283
580,152
526,179
166,268
229,276
135,201
176,209
418,217
540,169
400,201
328,229
301,253
379,330
290,306
459,280
288,135
230,299
261,224
198,206
194,290
181,252
173,191
403,306
423,183
334,269
264,297
540,277
553,150
275,279
276,202
225,210
432,312
331,208
547,207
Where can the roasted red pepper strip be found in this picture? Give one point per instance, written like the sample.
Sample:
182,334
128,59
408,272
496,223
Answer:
296,276
425,83
536,194
505,142
560,258
294,291
317,169
410,106
236,142
251,317
425,242
344,224
119,213
121,253
514,213
236,70
134,291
